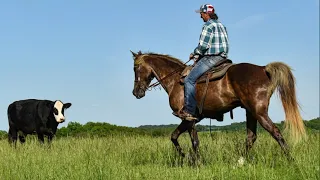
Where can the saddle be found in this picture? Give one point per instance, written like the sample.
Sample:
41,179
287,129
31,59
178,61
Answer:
216,72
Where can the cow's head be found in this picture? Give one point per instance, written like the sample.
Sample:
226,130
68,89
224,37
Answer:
58,110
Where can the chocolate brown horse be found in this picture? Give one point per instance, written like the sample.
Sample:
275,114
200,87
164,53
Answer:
244,85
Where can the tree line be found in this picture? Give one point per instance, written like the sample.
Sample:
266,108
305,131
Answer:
313,125
103,129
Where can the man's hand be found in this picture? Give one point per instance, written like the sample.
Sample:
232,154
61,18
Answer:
191,56
194,57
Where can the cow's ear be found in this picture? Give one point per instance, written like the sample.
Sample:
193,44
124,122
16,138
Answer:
66,105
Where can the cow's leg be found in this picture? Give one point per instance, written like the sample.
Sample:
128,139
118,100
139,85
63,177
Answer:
50,137
22,138
41,138
12,136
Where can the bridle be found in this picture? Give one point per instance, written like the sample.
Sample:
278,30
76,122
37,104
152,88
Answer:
159,81
143,86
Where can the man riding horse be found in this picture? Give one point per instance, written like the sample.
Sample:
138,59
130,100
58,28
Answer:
213,47
244,85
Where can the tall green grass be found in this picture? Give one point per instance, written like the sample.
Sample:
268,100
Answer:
145,157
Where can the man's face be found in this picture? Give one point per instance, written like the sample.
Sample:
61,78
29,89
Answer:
205,16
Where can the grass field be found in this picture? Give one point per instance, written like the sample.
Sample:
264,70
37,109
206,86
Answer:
144,157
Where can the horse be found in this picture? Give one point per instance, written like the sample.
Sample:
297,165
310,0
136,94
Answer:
244,85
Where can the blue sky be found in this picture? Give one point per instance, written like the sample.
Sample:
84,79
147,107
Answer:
78,51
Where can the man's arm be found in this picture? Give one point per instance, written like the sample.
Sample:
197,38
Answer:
204,40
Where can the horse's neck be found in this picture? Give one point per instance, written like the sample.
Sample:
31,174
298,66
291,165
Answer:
164,74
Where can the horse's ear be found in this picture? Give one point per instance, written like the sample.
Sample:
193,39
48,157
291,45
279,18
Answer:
134,54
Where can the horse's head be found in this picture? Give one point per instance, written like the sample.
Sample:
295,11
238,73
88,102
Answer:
143,75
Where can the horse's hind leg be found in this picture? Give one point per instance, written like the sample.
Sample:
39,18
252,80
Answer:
184,125
268,125
251,131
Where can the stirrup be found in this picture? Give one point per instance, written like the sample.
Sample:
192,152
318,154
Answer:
186,116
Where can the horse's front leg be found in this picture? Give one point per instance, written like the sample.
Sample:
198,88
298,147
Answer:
184,125
195,143
194,136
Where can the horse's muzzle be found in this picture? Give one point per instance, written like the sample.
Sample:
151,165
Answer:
139,93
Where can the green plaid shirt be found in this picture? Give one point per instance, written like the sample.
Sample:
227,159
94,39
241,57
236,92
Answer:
213,39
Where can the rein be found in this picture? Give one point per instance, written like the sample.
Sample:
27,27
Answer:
168,75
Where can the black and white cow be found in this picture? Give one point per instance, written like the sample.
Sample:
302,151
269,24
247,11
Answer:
30,116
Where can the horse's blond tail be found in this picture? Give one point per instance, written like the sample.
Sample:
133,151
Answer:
283,79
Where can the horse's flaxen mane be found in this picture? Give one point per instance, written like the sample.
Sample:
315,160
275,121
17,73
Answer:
141,57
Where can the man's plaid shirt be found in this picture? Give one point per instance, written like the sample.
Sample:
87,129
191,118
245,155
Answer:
213,39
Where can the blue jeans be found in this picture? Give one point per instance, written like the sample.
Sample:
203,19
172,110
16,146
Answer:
202,66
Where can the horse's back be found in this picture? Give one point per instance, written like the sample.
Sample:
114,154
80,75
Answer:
247,73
